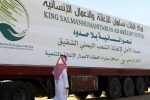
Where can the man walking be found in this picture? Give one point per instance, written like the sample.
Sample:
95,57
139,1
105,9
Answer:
61,79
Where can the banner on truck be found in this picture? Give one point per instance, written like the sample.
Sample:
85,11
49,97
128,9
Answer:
36,32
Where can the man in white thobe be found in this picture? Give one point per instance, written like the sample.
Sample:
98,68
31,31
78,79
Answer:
61,79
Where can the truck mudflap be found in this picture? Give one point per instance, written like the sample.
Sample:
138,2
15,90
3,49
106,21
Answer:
84,83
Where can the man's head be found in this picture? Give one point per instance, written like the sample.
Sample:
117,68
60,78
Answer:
60,66
64,57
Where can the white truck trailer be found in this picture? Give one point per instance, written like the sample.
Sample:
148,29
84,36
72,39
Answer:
105,53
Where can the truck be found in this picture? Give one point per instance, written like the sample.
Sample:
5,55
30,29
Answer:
105,53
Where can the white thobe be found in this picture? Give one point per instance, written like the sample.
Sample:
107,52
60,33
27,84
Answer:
61,92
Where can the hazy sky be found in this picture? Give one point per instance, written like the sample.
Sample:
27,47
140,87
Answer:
133,10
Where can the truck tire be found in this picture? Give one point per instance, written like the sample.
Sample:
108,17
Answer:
114,88
128,87
140,85
81,95
17,91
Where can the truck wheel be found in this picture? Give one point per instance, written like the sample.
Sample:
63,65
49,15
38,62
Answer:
140,85
128,87
81,95
114,88
17,91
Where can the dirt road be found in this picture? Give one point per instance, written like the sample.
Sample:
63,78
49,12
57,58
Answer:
71,97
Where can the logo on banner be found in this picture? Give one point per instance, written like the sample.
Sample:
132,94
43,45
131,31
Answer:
14,20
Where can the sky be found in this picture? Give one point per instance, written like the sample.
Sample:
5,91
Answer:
134,10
